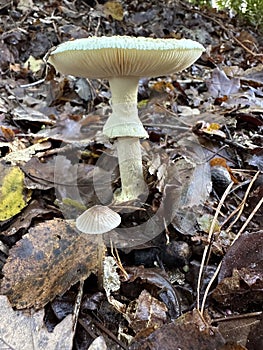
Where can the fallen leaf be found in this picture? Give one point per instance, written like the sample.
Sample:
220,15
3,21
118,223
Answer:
146,312
255,337
24,155
46,262
13,196
247,251
236,329
34,210
220,85
35,65
242,291
31,114
6,134
187,186
154,279
111,278
114,9
189,331
24,331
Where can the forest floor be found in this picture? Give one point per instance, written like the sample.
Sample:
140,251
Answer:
185,267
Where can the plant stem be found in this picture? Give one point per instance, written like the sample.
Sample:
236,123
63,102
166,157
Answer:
101,257
131,171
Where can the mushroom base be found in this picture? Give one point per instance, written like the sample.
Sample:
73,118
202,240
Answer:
131,171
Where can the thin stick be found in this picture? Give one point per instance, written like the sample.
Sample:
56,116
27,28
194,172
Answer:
219,266
248,219
77,305
241,206
101,257
211,231
208,287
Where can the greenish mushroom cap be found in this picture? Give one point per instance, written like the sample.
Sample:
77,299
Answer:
120,56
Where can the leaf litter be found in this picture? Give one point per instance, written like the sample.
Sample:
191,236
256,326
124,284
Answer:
212,110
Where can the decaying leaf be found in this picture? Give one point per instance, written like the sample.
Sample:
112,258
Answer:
34,210
25,5
247,251
114,9
24,331
24,155
240,277
154,278
34,64
220,85
49,259
237,329
146,312
242,291
189,331
13,195
111,279
31,114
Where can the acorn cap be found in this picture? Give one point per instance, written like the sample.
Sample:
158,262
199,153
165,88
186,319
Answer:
119,56
98,220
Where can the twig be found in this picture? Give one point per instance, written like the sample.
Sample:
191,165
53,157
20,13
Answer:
248,219
103,329
210,234
208,287
219,266
237,317
77,305
241,206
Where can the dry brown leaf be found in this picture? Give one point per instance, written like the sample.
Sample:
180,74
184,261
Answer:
247,251
146,312
243,291
46,262
189,331
237,329
240,277
26,331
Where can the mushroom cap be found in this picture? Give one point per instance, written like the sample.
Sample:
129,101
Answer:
120,56
97,220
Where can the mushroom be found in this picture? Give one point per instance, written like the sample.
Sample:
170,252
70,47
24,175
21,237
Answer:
98,220
123,60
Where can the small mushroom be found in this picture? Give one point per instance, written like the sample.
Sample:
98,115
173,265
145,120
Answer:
123,60
98,220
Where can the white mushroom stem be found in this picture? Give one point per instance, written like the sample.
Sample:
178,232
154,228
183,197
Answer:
125,126
130,165
124,119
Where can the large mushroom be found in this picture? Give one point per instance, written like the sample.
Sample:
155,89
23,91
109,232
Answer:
123,60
